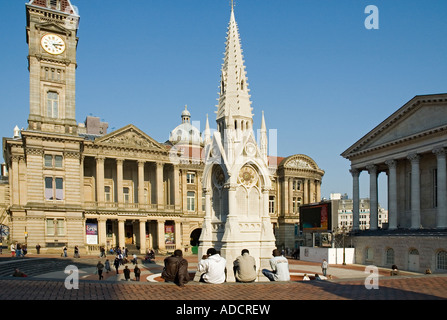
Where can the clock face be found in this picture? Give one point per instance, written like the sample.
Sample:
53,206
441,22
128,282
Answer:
53,44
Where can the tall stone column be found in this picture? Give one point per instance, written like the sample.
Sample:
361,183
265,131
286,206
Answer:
184,191
290,204
392,194
121,235
231,238
206,235
199,192
306,191
312,191
142,236
178,234
441,214
100,180
415,191
160,191
318,190
177,195
285,188
141,183
81,179
119,181
161,235
102,231
355,199
373,195
14,178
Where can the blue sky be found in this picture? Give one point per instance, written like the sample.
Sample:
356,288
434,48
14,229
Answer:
322,79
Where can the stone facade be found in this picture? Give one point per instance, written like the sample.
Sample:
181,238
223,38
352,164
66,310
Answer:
409,147
71,185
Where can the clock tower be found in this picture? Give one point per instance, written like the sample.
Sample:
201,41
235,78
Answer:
51,35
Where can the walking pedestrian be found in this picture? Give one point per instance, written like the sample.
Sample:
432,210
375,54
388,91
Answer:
18,250
64,252
324,266
116,263
38,248
102,251
107,266
126,272
137,272
13,250
100,268
76,252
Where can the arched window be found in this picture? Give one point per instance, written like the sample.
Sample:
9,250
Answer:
441,260
389,258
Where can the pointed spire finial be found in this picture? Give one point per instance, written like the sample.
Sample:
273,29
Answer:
232,5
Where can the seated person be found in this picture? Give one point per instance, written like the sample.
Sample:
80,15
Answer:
18,273
213,268
280,268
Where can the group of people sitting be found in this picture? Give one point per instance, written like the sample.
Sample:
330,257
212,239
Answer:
212,268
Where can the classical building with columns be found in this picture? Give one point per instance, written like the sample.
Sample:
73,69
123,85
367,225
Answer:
409,147
74,184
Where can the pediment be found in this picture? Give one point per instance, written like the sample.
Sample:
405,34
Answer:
421,116
52,27
130,137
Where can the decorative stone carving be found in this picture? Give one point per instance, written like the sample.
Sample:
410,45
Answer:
298,164
248,176
131,139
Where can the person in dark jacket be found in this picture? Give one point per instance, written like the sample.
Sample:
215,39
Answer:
176,269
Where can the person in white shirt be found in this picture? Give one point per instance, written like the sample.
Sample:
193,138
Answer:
213,267
280,268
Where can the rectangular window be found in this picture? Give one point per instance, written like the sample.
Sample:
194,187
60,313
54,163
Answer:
59,189
190,200
60,227
190,178
54,188
48,160
126,195
271,204
52,104
50,227
53,161
55,227
58,161
49,188
107,194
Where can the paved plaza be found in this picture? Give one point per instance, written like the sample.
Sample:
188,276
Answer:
47,282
